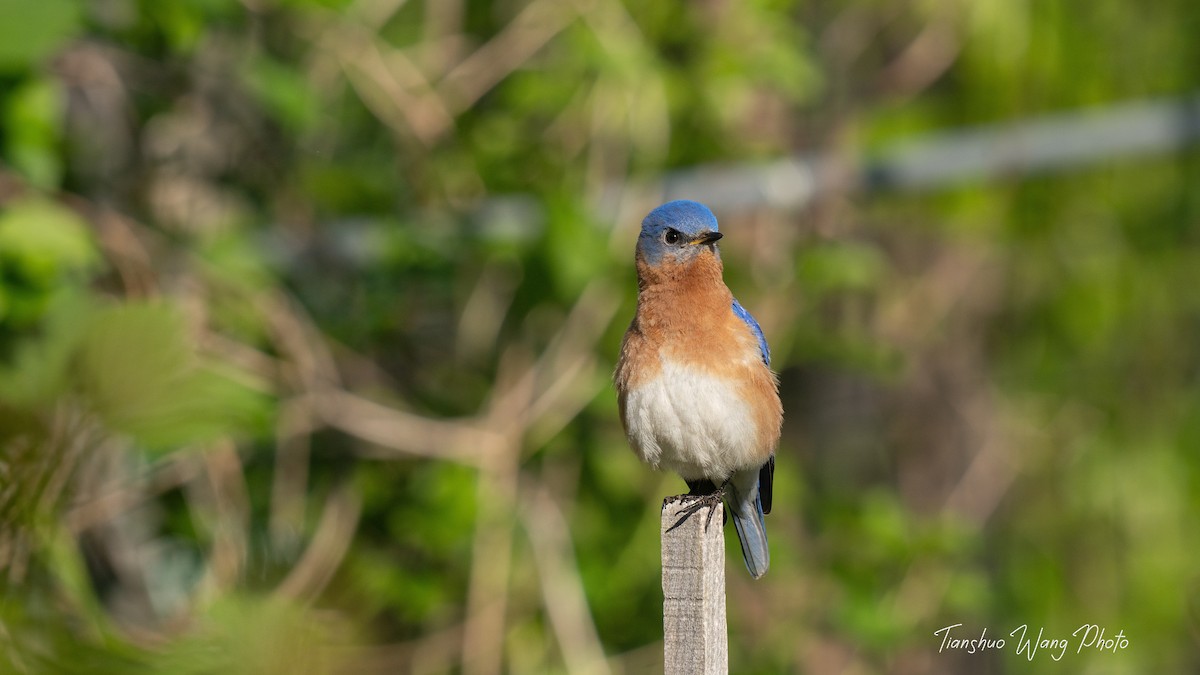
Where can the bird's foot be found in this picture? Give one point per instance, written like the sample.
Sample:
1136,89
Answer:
700,502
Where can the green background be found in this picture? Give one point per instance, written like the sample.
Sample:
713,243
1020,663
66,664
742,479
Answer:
308,310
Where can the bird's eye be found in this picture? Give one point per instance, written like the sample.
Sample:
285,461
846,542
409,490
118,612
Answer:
671,237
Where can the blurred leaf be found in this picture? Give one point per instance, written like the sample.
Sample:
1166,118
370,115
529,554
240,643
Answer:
571,249
259,636
843,265
871,623
42,246
968,591
232,258
42,241
31,31
140,375
284,91
447,490
39,368
33,641
32,119
185,22
885,527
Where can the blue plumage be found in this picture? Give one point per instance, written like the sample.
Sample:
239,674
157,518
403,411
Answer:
754,328
670,230
684,215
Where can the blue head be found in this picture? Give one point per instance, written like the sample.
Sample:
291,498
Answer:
677,231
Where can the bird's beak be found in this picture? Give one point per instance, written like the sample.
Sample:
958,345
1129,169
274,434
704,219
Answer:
706,238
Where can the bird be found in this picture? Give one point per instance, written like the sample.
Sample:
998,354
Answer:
695,390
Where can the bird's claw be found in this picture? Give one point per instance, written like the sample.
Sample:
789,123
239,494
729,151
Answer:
699,502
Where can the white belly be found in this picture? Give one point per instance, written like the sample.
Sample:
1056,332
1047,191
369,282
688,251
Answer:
692,423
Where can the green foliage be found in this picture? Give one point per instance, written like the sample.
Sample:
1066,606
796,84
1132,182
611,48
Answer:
38,368
33,119
307,314
30,33
257,635
43,246
137,373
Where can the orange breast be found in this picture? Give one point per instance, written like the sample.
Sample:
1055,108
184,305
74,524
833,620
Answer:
685,315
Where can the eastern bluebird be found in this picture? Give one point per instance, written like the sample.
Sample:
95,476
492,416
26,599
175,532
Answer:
694,383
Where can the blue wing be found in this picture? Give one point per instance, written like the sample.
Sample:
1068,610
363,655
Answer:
754,328
751,532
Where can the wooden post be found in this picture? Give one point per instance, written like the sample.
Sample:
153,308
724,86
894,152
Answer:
693,581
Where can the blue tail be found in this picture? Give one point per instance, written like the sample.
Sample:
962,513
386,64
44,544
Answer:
746,507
